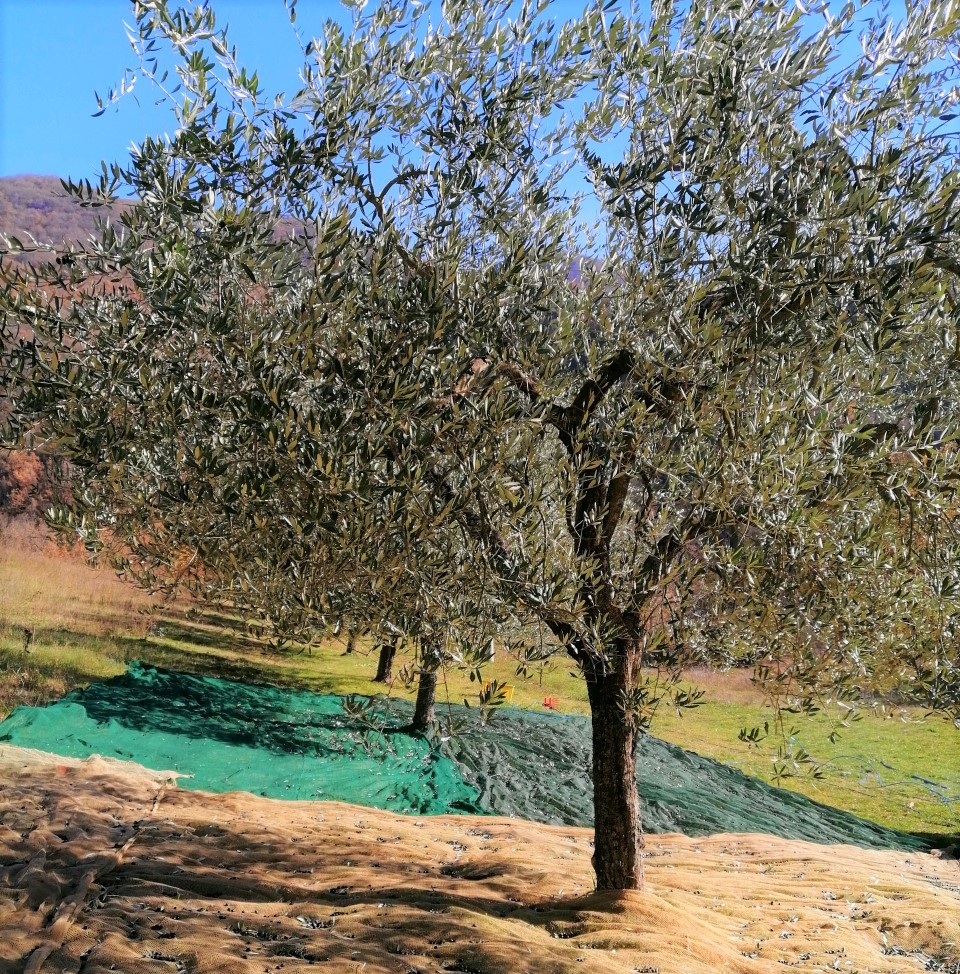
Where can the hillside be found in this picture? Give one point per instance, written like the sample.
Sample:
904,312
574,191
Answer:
35,207
38,207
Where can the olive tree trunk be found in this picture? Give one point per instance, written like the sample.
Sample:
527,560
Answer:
426,691
618,839
388,651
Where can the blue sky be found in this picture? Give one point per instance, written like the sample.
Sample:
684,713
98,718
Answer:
54,54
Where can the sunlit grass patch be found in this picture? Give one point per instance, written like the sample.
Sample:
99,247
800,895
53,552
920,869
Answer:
44,588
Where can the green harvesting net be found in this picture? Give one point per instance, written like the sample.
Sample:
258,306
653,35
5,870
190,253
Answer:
235,737
536,766
286,744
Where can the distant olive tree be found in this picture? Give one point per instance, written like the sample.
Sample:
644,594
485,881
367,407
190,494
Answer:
641,330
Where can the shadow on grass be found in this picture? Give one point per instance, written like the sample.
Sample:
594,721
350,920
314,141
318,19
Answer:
213,617
151,651
73,658
230,637
267,670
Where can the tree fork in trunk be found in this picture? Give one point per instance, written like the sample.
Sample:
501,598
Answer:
618,839
388,651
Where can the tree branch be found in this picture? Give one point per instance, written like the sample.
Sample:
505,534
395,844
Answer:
479,528
674,542
571,420
617,493
526,383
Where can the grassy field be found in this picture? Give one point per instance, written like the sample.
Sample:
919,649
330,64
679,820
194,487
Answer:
86,625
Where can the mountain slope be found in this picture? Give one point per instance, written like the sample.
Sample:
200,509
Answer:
38,207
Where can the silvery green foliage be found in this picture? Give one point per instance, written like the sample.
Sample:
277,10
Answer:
637,331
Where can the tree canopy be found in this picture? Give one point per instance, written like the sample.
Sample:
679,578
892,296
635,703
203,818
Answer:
641,330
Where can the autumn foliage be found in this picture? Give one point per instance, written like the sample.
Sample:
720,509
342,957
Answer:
26,485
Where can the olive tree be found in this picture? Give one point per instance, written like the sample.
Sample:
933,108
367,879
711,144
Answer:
638,329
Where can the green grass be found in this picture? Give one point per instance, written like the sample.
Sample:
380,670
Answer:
874,769
86,626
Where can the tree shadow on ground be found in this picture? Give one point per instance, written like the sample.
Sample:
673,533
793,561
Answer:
242,883
253,893
230,636
259,671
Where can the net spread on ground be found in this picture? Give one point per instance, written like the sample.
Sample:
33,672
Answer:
293,744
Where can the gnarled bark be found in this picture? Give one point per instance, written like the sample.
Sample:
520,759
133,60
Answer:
618,840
